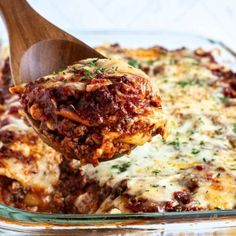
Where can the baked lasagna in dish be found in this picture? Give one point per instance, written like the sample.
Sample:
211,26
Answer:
193,169
96,109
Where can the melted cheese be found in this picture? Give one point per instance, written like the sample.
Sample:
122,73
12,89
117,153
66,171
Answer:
110,67
203,134
38,166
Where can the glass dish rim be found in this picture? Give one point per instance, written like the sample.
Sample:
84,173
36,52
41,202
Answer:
10,213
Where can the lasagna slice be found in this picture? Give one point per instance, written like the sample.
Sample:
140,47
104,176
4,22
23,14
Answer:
29,169
193,169
95,110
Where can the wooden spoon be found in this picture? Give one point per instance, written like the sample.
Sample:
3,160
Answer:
37,47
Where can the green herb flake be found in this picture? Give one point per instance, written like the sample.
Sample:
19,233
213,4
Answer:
224,99
134,63
73,67
176,142
115,68
150,62
191,132
184,83
154,185
200,120
88,75
202,143
234,128
92,63
122,167
219,131
155,172
100,70
195,63
195,151
82,78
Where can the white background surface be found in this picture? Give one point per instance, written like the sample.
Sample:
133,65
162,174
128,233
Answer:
210,18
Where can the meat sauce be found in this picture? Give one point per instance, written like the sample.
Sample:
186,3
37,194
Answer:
91,122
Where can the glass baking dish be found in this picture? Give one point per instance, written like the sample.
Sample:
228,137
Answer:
18,221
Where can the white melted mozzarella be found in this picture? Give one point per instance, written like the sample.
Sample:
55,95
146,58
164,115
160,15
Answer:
38,166
204,129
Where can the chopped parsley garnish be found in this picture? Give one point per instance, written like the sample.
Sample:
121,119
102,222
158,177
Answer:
191,131
204,159
215,153
184,83
115,68
87,74
74,68
155,172
154,185
202,143
224,99
150,62
219,131
195,151
163,77
200,120
92,63
122,167
100,70
195,63
134,63
176,142
234,128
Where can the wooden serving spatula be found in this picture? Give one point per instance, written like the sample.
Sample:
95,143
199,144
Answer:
37,47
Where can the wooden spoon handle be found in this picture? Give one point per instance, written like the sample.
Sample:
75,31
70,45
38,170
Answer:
26,28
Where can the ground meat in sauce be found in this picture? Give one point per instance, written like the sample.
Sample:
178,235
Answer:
98,119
